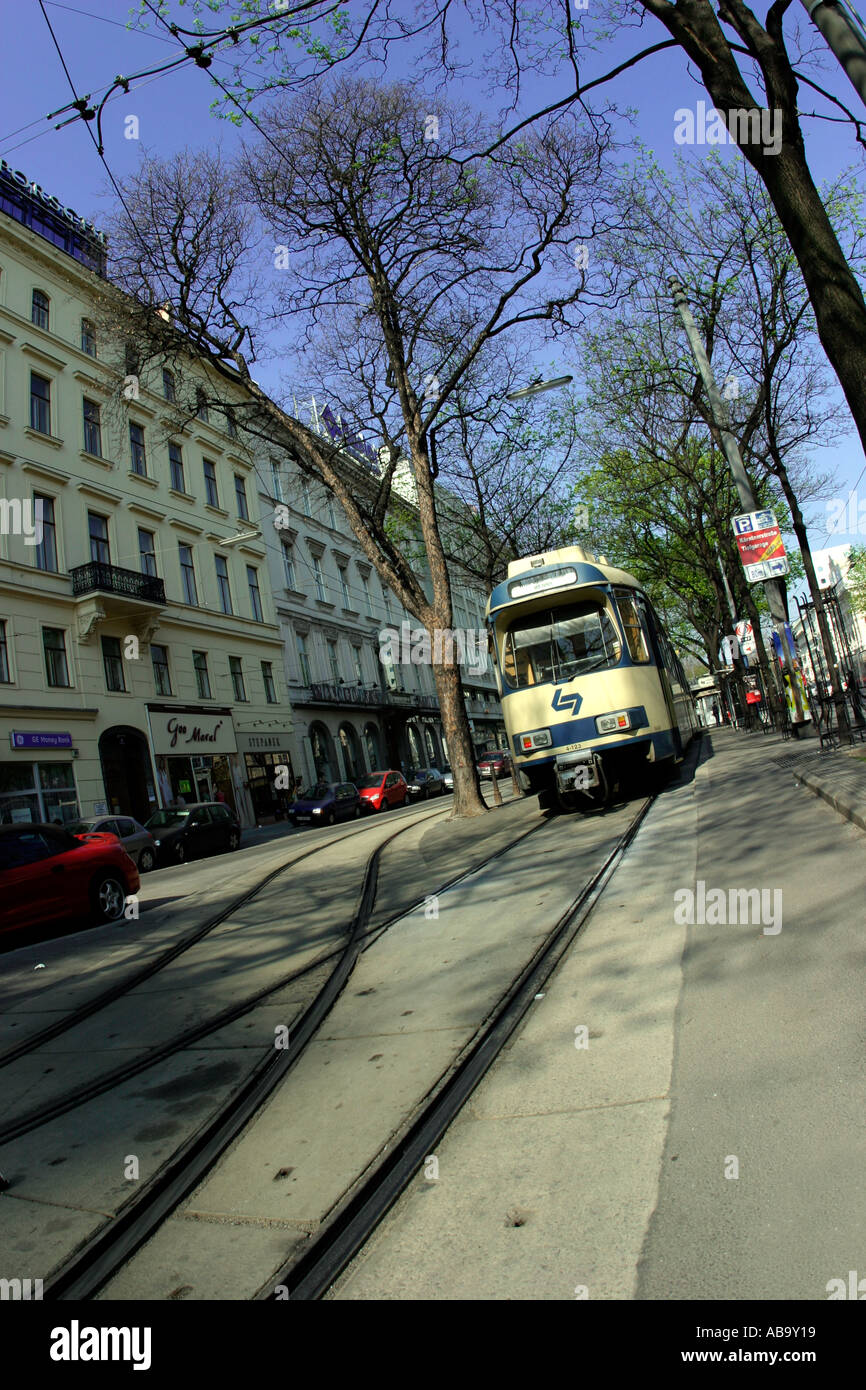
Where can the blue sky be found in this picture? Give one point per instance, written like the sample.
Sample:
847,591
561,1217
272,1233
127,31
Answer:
173,111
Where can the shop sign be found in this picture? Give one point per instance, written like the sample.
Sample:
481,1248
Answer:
183,732
23,740
264,743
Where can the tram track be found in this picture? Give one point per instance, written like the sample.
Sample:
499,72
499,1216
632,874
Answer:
310,1276
166,957
88,1268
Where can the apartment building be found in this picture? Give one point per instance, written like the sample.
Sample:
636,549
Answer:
141,657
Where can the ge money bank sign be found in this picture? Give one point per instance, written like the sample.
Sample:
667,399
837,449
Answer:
760,544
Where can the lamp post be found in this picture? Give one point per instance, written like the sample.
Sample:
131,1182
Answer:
533,389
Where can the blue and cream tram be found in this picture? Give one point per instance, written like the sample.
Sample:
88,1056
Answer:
592,690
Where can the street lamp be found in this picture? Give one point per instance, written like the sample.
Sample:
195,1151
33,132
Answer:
533,389
241,537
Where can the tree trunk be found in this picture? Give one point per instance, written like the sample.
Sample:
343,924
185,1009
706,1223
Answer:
840,311
467,794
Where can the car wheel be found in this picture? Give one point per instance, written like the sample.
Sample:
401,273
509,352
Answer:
234,839
329,818
180,852
357,815
145,861
385,804
108,897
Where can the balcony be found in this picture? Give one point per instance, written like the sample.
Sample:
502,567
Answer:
106,592
411,699
323,694
110,579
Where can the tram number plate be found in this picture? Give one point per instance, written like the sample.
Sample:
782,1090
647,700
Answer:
570,748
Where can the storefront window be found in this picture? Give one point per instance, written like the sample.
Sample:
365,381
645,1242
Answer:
37,792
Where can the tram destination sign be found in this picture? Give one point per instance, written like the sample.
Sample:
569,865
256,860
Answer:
759,541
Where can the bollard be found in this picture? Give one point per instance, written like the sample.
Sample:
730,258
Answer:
497,794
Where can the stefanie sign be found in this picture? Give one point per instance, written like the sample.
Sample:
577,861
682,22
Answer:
760,544
182,732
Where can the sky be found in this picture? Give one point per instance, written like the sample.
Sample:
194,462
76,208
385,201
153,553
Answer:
173,111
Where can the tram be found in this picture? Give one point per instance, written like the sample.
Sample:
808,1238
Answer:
592,692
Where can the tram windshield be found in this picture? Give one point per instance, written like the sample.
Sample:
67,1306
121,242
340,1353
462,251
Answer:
560,643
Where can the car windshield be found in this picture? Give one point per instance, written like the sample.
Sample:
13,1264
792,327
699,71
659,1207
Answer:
172,815
421,776
81,827
317,793
373,779
560,643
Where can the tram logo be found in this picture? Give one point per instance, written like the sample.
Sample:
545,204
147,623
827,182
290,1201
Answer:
570,702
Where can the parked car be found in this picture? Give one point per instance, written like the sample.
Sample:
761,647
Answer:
325,803
382,790
47,873
426,782
190,832
448,778
497,761
137,841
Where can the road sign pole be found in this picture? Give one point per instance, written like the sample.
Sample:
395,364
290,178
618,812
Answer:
719,410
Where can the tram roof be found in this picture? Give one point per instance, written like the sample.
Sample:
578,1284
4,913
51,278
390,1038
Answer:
590,569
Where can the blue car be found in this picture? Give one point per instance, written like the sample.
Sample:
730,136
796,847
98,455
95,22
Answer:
325,803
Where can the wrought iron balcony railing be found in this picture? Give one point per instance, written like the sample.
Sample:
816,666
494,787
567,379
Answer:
111,579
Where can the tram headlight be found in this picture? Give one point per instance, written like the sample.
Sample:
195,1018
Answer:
611,723
535,738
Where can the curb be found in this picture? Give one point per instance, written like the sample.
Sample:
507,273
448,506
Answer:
844,808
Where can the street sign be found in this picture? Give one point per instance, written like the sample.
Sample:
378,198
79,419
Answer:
760,544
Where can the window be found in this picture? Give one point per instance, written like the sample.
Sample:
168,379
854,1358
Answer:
112,660
100,551
175,458
46,550
131,360
168,390
332,515
40,309
255,595
289,565
210,483
54,648
202,679
88,338
634,637
359,670
161,674
187,575
268,678
40,403
319,577
303,659
561,643
231,427
5,674
225,593
305,497
334,662
147,552
386,597
276,481
367,595
237,674
136,448
344,586
201,405
92,428
241,496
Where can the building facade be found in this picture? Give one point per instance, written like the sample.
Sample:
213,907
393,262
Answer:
141,658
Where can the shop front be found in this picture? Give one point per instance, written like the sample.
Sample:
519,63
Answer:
196,757
37,782
264,754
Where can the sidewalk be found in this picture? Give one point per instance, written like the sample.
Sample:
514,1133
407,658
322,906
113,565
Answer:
705,1143
837,776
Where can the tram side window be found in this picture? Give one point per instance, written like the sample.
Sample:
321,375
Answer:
634,634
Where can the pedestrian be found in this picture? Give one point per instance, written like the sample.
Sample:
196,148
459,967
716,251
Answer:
220,795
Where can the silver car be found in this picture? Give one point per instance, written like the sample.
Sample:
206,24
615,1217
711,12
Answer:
137,841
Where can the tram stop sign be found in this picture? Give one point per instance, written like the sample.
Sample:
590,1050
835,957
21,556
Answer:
760,544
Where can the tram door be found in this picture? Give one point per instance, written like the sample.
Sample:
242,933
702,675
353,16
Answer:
663,656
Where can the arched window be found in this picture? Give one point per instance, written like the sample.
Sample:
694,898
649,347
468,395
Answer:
414,746
40,309
432,756
351,752
371,743
322,747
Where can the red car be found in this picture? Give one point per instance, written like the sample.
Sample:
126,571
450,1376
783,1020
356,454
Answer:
498,762
47,873
382,790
